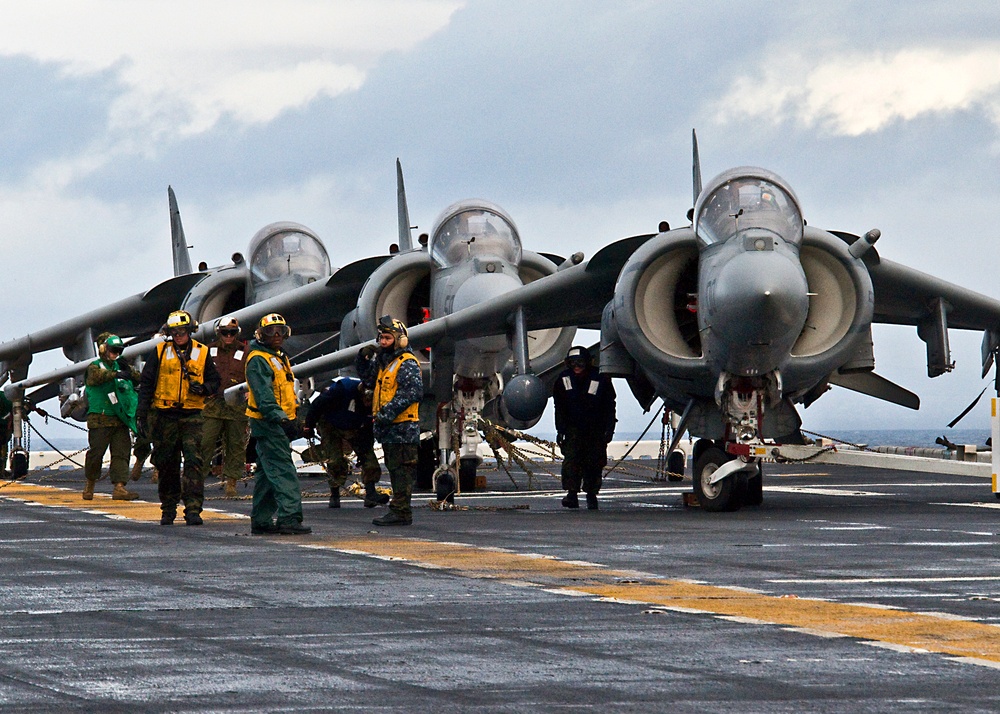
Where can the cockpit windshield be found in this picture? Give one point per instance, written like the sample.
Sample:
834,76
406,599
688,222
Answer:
747,202
475,232
288,252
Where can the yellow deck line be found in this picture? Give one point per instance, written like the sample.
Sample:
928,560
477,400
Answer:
896,627
68,498
919,631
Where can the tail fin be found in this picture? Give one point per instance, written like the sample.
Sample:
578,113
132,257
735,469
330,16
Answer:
405,238
695,167
178,243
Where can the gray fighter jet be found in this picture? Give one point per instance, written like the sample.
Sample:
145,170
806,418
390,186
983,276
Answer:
474,256
288,271
749,311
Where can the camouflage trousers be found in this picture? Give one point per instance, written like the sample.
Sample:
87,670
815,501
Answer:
401,462
176,436
276,492
233,435
338,467
99,438
584,459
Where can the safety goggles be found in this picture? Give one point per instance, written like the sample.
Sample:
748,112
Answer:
231,331
577,362
177,331
275,331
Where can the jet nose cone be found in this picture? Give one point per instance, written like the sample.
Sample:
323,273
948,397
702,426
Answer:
760,299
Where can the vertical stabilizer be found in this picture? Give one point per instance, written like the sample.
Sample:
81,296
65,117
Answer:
405,239
695,167
178,243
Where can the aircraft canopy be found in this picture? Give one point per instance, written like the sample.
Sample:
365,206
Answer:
475,232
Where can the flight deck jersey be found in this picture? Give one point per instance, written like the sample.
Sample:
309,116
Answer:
385,390
174,377
282,381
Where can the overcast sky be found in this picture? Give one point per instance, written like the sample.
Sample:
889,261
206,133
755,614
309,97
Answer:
573,116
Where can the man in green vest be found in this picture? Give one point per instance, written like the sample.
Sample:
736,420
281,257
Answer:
111,399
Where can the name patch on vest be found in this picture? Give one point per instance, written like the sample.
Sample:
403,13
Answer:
238,355
593,387
214,351
567,384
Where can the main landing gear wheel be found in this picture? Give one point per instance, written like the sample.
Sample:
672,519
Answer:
467,474
724,495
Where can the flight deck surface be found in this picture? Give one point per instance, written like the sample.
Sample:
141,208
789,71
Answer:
849,589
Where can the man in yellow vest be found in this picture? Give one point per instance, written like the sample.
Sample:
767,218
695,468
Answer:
271,406
393,372
172,391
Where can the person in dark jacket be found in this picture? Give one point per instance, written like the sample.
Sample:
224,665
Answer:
584,402
172,391
392,371
342,413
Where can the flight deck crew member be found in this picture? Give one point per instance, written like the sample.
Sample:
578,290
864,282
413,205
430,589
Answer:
172,391
394,373
226,422
111,400
342,413
584,402
271,406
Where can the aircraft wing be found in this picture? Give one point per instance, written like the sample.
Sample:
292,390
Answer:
905,296
317,307
142,313
575,295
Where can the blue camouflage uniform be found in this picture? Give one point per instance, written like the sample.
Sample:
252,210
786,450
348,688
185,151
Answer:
400,440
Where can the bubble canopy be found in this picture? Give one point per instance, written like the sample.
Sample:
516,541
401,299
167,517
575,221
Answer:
747,198
282,249
474,229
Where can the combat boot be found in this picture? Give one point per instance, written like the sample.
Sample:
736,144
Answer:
167,519
155,478
121,493
591,501
334,498
88,490
373,497
193,519
136,471
392,519
570,500
231,488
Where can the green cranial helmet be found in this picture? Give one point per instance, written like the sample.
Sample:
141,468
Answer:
114,343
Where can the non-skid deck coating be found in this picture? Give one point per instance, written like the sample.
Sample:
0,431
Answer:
648,602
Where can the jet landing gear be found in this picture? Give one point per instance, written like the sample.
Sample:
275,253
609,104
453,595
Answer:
723,482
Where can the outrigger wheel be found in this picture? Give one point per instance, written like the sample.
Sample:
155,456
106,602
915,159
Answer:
19,464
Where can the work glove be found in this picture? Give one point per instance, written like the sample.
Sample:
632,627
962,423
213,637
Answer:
290,428
308,432
124,374
198,389
368,352
140,427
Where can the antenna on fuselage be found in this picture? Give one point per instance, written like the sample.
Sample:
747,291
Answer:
178,243
695,167
405,240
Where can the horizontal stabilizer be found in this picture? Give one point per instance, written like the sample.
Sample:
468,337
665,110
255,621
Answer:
875,386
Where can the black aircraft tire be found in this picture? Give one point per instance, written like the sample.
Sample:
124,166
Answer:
727,494
755,488
426,463
675,466
467,474
19,465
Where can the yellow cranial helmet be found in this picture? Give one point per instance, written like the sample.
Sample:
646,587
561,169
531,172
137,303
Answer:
181,320
273,324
